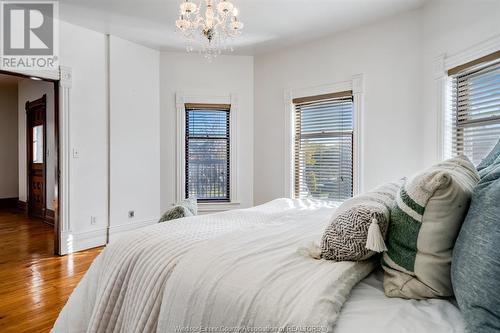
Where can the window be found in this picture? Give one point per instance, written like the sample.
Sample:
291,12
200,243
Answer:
475,107
323,146
37,144
207,152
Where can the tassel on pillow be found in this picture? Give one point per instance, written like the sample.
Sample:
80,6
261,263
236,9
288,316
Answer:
375,240
312,250
357,228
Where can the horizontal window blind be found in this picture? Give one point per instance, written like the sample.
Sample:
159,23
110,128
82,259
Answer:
323,147
476,110
207,152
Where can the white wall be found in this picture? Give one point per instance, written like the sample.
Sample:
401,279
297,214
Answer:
193,74
8,141
135,135
396,56
85,52
388,55
28,91
449,27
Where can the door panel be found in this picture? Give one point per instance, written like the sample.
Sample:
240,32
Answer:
36,147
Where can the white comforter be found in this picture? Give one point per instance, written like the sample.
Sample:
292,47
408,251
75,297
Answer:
226,272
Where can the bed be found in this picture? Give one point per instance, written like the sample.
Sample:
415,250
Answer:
369,310
241,270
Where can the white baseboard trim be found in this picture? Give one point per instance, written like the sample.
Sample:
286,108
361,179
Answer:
116,231
79,241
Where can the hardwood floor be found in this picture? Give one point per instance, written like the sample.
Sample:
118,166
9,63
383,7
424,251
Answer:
34,284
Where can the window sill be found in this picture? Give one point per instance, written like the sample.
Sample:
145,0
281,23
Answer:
216,207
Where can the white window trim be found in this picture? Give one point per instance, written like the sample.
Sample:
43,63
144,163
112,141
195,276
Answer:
442,64
356,85
181,99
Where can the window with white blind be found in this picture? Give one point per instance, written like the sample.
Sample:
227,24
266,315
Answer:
323,146
475,107
207,141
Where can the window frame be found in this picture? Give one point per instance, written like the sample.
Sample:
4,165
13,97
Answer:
443,63
178,176
455,76
341,97
356,85
201,107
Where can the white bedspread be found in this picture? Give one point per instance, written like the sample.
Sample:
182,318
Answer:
237,269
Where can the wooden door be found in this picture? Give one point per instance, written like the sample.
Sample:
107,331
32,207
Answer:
36,147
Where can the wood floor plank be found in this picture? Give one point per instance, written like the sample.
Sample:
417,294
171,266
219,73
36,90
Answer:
34,284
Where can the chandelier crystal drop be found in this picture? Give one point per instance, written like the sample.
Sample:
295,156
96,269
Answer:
209,25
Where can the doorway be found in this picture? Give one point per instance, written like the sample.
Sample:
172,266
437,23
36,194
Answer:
36,130
41,176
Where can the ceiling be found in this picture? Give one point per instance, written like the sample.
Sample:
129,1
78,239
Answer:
269,24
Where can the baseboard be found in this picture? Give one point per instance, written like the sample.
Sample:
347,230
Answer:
118,230
79,241
49,216
8,202
22,206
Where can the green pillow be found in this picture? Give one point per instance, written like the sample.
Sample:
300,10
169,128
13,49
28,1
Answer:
191,204
425,222
185,208
176,212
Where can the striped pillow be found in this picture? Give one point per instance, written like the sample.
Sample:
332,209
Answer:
425,222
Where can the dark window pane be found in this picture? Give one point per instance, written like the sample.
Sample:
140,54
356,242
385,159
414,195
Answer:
207,154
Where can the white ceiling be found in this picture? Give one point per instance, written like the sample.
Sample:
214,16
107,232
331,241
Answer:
269,24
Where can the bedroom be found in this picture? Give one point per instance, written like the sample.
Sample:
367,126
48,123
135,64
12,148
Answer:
129,97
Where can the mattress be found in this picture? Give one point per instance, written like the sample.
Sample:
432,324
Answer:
368,310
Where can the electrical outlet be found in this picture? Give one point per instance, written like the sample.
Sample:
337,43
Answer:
93,220
131,214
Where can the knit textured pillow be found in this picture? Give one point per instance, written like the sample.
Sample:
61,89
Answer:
430,208
358,227
186,207
175,212
191,204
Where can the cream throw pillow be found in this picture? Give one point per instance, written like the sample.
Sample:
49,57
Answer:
430,208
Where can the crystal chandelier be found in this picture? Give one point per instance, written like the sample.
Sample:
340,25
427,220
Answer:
210,25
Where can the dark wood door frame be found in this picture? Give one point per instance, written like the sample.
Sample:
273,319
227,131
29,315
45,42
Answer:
56,170
32,107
